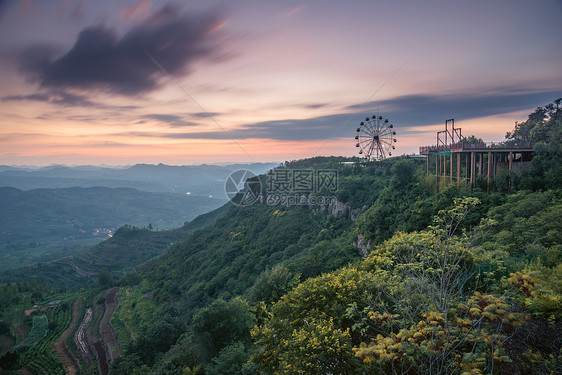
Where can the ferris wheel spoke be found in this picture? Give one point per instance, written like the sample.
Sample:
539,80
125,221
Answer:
369,128
365,141
381,149
371,151
386,132
386,142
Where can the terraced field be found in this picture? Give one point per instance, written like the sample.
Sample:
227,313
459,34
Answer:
72,336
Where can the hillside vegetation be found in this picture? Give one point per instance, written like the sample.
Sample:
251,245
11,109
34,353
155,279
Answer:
450,282
391,277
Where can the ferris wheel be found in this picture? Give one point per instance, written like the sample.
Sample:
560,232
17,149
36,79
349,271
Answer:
375,138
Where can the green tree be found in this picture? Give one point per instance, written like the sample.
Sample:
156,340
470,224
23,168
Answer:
472,139
36,296
9,360
308,331
104,278
221,324
4,328
403,174
543,128
152,341
273,283
232,360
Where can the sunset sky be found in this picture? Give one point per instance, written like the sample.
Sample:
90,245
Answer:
190,82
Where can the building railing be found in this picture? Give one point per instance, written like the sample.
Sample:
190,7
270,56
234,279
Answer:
461,146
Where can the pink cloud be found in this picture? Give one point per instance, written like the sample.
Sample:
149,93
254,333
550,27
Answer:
139,10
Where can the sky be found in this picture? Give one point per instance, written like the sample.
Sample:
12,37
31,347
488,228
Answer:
190,82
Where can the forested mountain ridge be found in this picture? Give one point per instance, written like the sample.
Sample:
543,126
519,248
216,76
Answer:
383,314
219,263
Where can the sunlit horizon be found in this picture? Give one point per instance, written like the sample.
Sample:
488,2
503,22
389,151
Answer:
129,82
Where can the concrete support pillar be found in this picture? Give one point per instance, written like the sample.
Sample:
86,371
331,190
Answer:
437,169
466,173
459,168
510,156
489,169
451,168
472,165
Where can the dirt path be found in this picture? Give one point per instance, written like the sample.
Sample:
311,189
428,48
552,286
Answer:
59,347
102,359
106,346
106,330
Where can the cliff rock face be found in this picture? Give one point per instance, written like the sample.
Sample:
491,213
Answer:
362,246
329,204
337,208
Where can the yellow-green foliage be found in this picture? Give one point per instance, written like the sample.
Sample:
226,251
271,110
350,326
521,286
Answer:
412,306
306,332
196,370
278,213
317,346
464,340
536,295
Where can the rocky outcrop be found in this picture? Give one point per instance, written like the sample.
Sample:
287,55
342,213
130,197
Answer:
363,246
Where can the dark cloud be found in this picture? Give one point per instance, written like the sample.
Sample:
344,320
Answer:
31,97
307,105
403,111
427,109
315,106
59,98
307,129
64,99
204,114
4,5
172,120
101,60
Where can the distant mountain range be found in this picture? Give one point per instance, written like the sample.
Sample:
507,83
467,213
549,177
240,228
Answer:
194,179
